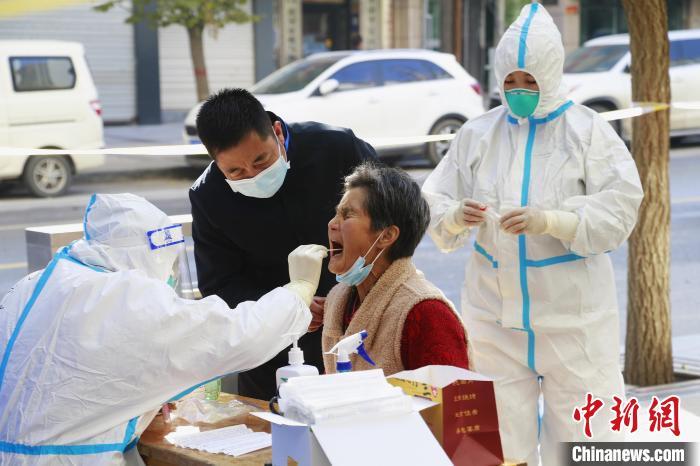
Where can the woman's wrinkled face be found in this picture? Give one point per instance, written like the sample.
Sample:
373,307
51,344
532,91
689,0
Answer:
350,230
520,80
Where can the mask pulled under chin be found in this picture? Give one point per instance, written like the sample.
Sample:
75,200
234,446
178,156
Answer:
358,272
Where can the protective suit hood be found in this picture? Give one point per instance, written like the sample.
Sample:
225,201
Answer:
533,44
126,232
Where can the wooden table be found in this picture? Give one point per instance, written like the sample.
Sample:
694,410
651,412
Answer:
156,451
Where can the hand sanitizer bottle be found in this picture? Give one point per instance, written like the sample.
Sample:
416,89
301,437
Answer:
296,365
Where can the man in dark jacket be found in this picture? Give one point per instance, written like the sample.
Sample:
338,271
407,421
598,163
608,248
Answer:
271,187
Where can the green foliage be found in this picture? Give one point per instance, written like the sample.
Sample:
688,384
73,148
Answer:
192,14
513,8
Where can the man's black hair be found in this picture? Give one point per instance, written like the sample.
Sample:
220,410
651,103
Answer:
228,116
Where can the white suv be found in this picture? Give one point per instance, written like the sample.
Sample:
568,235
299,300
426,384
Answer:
597,75
378,94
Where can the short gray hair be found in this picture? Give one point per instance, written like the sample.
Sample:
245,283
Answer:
392,197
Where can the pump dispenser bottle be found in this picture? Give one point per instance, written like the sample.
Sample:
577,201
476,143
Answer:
296,365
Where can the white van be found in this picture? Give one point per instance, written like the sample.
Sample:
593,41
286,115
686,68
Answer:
47,100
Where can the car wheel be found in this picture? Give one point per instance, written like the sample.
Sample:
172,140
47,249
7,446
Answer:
437,150
47,176
600,108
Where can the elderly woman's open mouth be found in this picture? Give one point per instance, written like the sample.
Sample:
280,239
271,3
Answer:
336,248
335,253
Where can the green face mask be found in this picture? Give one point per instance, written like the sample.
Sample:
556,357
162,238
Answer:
522,102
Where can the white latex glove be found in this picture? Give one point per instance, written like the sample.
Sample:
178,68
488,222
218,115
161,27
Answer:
557,223
561,224
305,270
465,214
526,220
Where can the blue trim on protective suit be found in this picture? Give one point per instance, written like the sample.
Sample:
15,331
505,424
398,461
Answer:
553,115
524,263
191,389
18,448
553,260
127,444
76,261
130,429
132,444
546,119
93,198
522,250
489,257
195,387
525,189
34,450
539,415
523,36
23,316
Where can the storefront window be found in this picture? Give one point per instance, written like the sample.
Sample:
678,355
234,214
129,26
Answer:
433,25
605,17
327,25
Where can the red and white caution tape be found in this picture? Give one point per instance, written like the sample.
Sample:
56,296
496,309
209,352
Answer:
180,150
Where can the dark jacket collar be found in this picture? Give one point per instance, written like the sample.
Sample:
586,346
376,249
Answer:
285,128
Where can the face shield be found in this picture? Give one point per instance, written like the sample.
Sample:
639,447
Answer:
124,231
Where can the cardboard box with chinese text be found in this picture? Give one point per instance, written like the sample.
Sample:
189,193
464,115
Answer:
465,420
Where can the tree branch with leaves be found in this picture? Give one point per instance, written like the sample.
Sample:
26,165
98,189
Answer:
195,16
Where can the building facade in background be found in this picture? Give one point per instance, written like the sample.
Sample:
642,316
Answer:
112,51
131,82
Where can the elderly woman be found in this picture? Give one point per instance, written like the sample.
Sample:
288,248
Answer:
378,224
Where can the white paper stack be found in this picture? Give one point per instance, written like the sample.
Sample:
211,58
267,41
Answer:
314,399
235,440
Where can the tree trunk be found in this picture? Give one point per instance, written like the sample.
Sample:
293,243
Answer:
200,67
648,357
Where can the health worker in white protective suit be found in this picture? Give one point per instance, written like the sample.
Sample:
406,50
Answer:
549,189
95,343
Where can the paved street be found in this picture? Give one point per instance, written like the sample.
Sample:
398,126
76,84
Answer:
165,183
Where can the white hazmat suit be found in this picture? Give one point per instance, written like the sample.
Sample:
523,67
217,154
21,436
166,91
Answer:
95,343
541,310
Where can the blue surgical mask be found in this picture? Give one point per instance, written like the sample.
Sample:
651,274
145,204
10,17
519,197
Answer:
358,272
266,183
522,102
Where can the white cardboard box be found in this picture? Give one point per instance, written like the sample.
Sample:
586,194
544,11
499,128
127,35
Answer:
372,440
